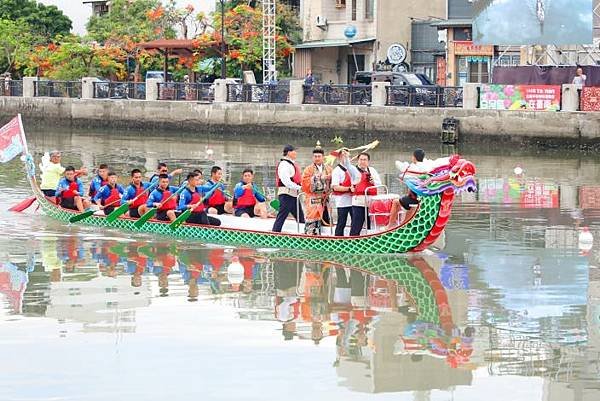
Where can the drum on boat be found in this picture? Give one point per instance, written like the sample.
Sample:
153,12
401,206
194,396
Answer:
380,207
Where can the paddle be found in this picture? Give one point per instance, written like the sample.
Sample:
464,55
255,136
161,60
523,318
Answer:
115,214
24,204
88,213
152,212
186,213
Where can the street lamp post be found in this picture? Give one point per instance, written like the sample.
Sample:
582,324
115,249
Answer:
223,62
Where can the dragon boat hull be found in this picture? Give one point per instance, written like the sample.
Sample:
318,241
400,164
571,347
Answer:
417,234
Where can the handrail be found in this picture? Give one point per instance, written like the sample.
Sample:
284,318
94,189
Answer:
365,223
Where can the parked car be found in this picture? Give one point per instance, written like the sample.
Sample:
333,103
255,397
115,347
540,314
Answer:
160,75
420,91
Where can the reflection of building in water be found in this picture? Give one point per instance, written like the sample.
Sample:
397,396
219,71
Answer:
102,304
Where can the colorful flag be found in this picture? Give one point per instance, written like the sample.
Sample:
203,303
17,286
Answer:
10,140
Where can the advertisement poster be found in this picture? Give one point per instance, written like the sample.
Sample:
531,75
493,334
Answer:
520,97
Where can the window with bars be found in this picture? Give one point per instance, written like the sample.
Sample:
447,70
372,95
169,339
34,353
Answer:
353,10
369,6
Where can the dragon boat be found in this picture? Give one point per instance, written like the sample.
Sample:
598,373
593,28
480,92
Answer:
435,191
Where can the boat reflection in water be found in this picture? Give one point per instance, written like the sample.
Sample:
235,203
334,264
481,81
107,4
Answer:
390,317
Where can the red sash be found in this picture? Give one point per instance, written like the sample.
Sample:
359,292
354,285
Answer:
346,183
297,178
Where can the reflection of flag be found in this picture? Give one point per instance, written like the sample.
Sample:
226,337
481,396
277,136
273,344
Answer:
10,140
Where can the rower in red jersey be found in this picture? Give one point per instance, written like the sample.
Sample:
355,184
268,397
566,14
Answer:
70,190
109,196
133,190
166,210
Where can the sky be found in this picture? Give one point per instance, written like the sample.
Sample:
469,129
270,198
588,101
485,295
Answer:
79,12
514,22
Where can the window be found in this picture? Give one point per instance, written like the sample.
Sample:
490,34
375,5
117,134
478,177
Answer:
462,34
369,6
353,10
340,3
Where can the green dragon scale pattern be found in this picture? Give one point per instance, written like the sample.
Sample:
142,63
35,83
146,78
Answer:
399,240
394,268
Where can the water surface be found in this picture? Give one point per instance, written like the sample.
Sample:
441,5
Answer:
512,303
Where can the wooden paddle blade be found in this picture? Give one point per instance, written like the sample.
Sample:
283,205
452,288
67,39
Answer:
275,204
117,212
21,206
180,220
147,216
81,216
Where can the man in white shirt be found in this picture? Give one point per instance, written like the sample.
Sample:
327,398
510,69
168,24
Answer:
409,202
364,178
288,179
341,184
580,77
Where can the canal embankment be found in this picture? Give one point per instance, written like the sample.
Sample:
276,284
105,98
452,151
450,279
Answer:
571,129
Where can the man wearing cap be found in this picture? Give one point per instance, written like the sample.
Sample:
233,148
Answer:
52,172
287,180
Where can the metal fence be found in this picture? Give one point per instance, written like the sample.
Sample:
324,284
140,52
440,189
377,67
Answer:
202,92
119,90
337,94
425,96
57,89
11,88
258,93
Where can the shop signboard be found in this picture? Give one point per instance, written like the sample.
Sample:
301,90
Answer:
467,48
520,97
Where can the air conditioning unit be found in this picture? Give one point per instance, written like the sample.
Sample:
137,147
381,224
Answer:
321,21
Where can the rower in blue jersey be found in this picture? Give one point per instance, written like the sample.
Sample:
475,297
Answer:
99,180
109,196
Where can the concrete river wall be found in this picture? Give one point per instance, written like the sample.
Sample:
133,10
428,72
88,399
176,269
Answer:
542,128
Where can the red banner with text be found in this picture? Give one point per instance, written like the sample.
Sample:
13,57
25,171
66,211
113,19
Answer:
520,97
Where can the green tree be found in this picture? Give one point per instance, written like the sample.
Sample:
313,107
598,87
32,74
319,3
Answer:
15,40
46,21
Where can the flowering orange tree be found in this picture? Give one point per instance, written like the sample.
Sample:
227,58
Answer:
70,58
243,36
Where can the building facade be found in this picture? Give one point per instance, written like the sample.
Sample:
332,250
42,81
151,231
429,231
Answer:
341,37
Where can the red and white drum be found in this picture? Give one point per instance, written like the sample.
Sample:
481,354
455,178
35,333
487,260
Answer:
380,207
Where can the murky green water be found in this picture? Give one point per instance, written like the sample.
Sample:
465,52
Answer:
509,310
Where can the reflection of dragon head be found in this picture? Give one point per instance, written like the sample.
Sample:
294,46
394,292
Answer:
457,174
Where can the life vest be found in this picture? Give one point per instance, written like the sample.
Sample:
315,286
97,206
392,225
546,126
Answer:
364,183
171,204
195,199
346,183
113,197
246,200
297,178
70,193
217,198
141,200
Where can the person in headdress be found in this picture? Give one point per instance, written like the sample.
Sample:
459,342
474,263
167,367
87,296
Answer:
316,183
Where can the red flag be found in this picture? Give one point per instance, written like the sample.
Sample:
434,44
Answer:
11,143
